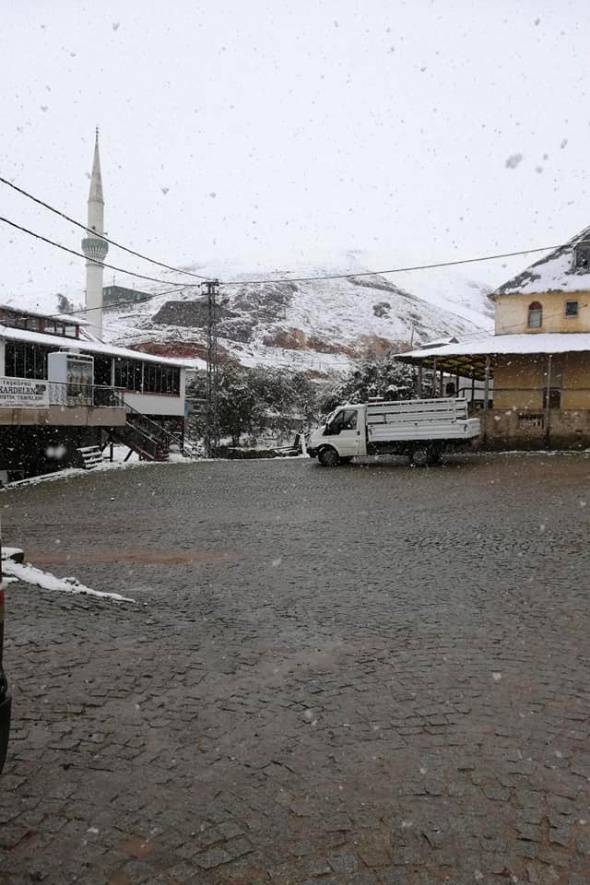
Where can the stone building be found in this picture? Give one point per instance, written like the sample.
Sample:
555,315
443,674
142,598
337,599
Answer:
536,367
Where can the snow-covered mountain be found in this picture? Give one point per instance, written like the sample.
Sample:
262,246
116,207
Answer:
318,325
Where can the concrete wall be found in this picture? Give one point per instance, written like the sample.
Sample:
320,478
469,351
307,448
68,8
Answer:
516,429
63,416
519,381
512,313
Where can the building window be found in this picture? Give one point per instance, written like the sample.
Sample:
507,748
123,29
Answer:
530,421
37,323
161,379
146,377
23,360
552,397
128,374
535,318
571,308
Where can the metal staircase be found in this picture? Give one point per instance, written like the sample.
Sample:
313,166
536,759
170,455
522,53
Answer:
148,439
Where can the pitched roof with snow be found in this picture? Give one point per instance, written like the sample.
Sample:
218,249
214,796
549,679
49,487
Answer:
469,357
553,273
545,342
86,345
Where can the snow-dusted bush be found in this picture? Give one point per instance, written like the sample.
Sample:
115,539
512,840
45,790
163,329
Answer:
386,378
257,402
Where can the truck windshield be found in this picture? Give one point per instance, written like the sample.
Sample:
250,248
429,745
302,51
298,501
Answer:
342,419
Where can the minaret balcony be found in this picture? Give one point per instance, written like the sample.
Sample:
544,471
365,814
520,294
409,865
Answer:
95,249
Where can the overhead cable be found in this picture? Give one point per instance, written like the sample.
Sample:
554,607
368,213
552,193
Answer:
95,233
130,273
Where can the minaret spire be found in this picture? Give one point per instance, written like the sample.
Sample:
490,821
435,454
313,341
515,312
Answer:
94,247
95,195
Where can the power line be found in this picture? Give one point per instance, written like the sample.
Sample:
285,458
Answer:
130,273
94,233
372,273
180,285
130,251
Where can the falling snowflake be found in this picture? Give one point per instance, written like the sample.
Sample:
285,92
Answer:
513,161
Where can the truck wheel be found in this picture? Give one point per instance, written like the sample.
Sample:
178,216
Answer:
420,456
328,457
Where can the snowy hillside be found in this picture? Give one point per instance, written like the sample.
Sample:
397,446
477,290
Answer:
320,325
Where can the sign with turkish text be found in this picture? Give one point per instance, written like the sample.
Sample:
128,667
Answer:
23,393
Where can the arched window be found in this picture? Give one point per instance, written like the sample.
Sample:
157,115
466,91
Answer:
535,320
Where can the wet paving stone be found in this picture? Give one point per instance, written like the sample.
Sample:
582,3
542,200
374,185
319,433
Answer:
369,674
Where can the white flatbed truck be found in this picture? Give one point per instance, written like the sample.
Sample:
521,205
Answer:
420,428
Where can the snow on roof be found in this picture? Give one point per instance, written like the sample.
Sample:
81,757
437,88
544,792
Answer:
438,342
553,273
70,318
86,345
545,342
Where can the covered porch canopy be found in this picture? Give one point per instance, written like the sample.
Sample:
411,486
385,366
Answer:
473,359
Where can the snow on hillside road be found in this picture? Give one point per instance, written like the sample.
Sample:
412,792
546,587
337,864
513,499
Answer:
363,675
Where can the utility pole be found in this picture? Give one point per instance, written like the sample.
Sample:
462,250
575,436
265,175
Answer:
212,417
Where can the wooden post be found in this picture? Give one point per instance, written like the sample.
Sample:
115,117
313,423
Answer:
420,380
548,402
442,383
434,377
486,398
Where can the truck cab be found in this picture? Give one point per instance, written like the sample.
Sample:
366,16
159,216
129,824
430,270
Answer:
341,438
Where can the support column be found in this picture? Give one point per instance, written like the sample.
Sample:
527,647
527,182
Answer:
420,380
434,385
486,398
548,402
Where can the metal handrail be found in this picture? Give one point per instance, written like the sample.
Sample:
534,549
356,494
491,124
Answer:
158,433
72,394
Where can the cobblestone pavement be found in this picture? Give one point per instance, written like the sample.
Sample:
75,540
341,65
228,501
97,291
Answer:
364,675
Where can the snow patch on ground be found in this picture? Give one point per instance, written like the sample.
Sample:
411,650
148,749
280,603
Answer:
31,575
117,464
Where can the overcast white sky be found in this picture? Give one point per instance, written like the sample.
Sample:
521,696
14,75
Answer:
275,133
